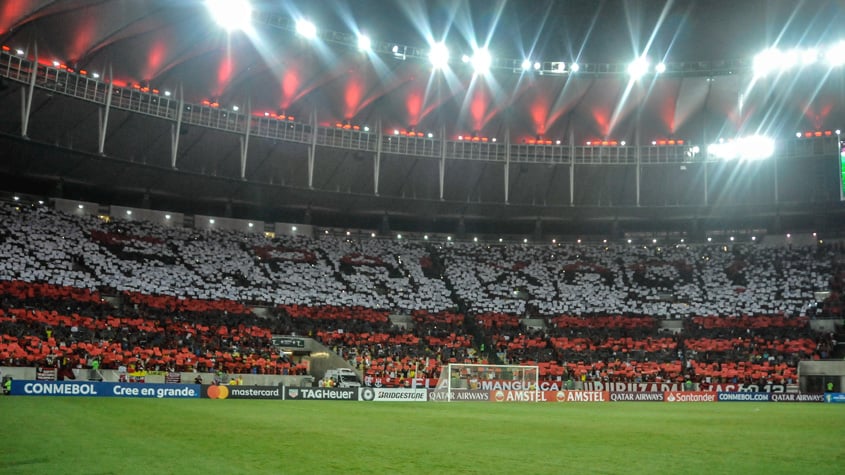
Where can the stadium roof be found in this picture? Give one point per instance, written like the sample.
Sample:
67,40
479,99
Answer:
709,91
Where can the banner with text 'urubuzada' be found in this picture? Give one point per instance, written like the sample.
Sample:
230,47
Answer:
104,389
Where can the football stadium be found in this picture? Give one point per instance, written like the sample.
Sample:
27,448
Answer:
409,236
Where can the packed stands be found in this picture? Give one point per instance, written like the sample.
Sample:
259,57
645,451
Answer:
183,298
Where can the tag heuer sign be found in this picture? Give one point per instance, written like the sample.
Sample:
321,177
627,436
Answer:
288,342
294,393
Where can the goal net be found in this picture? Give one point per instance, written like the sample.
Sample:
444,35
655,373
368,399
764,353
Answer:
458,380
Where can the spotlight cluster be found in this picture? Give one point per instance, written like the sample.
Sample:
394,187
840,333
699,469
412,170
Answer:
754,147
774,59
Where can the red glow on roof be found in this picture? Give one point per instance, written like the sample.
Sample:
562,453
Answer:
352,96
224,74
602,118
290,86
155,59
83,36
539,111
413,104
12,12
478,108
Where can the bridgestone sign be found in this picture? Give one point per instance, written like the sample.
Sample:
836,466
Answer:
393,395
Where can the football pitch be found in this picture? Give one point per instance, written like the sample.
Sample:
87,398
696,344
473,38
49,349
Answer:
63,435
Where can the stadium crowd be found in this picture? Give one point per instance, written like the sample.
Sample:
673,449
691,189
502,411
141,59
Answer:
182,299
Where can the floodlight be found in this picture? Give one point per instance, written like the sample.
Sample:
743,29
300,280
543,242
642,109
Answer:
306,29
809,56
766,61
439,55
526,64
95,75
364,43
20,52
660,68
638,68
838,132
574,67
537,66
481,60
798,134
790,59
233,15
236,108
836,54
464,58
167,93
755,147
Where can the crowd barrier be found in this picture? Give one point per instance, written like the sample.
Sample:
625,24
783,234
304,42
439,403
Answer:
366,394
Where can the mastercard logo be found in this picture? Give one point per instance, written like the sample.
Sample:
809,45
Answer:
217,392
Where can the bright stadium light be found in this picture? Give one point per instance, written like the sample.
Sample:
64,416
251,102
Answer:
364,43
755,147
790,59
526,64
638,68
766,62
481,60
574,67
233,15
306,29
835,55
439,55
660,68
809,56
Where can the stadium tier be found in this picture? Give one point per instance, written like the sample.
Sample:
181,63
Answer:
137,295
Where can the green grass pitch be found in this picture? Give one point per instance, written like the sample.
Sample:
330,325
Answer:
64,435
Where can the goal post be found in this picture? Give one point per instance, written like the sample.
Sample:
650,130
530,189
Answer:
457,377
